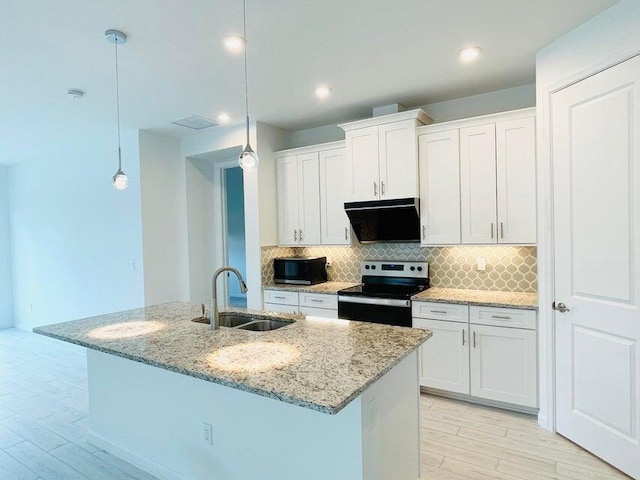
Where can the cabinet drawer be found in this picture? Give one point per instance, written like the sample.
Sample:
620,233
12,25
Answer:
282,297
319,312
319,300
503,317
279,308
440,311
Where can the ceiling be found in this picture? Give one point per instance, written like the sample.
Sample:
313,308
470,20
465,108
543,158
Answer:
371,52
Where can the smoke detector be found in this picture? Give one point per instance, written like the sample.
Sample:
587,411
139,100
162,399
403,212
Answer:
75,94
195,122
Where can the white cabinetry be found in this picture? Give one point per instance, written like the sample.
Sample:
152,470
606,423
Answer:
334,223
311,196
305,303
382,156
494,158
440,187
485,352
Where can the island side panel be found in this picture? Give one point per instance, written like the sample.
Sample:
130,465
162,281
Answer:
391,424
154,419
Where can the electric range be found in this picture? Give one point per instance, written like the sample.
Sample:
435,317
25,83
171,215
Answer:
385,293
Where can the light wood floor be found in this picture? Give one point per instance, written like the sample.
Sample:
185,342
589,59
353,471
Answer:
44,424
462,441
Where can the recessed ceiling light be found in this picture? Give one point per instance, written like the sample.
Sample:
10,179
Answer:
234,43
323,91
223,117
469,54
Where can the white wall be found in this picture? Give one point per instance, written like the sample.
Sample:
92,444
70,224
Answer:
595,45
74,236
164,225
6,300
483,104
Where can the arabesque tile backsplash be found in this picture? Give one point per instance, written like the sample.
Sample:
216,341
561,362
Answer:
509,268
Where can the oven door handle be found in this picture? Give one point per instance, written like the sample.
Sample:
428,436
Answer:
387,302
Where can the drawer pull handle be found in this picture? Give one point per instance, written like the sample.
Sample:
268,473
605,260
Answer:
501,317
316,300
474,339
439,311
346,232
463,337
279,298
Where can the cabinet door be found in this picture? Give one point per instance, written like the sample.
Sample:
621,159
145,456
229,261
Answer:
439,155
333,221
398,154
362,175
308,199
516,174
444,358
478,184
503,364
287,179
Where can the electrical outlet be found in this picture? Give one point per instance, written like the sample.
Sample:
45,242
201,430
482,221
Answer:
207,434
482,264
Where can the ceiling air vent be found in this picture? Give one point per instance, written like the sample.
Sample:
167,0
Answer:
195,122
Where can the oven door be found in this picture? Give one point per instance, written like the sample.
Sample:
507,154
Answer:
375,310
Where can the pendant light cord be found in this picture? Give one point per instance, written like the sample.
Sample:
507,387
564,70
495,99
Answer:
118,107
246,75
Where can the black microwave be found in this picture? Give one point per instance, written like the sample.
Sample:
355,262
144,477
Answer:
300,270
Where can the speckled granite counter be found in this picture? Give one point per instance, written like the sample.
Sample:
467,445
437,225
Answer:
320,364
326,287
520,300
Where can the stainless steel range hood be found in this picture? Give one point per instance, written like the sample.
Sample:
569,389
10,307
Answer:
385,220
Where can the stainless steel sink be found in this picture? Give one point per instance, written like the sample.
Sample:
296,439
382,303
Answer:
264,325
245,322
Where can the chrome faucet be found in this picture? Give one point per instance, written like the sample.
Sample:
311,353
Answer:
215,319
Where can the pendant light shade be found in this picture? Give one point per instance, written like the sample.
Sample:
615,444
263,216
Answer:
248,159
119,180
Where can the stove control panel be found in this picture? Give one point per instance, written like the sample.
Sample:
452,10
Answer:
395,269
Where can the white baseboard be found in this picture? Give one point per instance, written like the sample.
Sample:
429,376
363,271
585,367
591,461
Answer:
134,459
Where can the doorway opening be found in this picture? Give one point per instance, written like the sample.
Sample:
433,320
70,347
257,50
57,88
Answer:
233,232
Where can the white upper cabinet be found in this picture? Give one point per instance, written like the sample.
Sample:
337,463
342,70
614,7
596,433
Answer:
311,196
308,199
362,170
478,184
516,175
334,223
439,155
288,201
398,155
382,156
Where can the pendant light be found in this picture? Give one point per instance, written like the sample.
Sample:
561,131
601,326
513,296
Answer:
120,180
248,159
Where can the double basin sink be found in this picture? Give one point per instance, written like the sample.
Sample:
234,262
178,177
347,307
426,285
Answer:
243,321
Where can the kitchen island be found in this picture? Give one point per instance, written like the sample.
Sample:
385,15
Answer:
316,399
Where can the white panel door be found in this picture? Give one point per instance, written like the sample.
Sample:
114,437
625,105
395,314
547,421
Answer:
287,179
335,226
361,165
398,154
439,155
596,171
478,184
504,365
444,358
308,199
516,178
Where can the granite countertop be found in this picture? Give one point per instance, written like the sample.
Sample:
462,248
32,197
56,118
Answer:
321,364
326,287
487,298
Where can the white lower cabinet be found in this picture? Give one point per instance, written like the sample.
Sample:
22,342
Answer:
503,364
304,303
486,352
444,359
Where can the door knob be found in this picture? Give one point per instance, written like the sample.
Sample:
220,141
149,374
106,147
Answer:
561,307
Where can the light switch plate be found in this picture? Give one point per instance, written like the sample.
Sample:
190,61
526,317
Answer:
482,264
